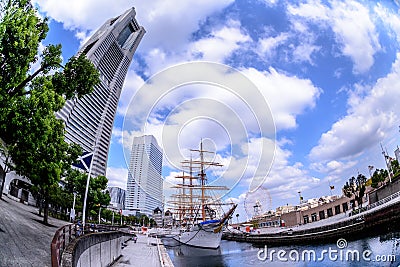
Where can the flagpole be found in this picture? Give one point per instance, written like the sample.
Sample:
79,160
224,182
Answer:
86,193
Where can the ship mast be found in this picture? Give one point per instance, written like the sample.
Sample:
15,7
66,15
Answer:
194,179
203,177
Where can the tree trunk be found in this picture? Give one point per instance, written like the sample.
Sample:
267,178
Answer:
46,211
40,205
3,181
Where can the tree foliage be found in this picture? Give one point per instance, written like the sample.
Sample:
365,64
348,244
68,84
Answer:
98,196
379,177
395,168
355,187
30,98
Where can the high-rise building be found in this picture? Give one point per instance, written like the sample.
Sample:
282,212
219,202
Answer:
89,120
117,196
145,184
397,154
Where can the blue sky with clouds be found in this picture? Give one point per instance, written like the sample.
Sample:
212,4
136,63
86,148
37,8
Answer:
329,71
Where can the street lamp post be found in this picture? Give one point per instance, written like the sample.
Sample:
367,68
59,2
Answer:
99,214
72,214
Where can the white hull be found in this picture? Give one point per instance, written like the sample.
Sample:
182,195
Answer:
203,238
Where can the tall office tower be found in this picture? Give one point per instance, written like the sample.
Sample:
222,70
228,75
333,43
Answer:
145,184
117,196
89,120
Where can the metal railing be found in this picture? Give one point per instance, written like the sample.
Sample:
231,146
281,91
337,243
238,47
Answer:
67,233
376,204
61,239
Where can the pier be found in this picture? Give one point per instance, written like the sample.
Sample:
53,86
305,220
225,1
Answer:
147,251
381,217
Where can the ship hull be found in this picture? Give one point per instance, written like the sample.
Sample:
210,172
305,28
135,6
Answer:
202,238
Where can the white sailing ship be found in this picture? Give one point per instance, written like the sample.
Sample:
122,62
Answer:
198,212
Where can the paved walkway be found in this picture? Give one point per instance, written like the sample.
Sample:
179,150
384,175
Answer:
142,253
24,240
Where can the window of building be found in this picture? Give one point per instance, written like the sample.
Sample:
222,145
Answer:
337,209
314,217
322,215
305,219
345,207
124,35
329,212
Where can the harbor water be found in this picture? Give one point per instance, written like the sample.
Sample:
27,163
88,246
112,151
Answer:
381,250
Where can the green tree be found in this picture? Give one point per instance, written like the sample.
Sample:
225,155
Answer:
395,168
355,187
378,177
34,137
97,194
7,164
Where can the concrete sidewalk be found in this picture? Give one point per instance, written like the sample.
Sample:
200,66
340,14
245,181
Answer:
24,240
142,253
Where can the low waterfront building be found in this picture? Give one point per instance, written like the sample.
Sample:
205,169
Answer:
269,219
168,219
327,207
285,209
312,210
158,216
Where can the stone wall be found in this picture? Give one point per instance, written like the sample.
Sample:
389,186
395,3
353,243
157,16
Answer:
96,249
384,191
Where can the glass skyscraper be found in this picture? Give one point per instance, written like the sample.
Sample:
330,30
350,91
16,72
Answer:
89,120
117,196
145,184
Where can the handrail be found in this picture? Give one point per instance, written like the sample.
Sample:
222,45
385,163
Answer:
61,239
67,233
378,203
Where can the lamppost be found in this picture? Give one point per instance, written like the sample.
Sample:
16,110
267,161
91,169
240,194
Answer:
72,214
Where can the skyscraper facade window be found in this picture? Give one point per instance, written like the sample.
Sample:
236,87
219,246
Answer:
117,196
89,120
145,184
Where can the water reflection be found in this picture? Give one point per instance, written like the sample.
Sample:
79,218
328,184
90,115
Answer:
232,253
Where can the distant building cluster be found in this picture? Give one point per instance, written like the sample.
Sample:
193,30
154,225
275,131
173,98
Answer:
308,211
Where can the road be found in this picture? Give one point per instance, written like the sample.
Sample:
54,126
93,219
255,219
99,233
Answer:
24,240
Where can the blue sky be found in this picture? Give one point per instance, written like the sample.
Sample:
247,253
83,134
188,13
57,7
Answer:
328,70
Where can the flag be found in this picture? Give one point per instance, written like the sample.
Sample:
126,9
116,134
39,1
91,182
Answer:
370,167
85,159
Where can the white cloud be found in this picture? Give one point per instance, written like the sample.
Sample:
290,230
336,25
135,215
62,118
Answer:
117,177
168,23
303,53
287,96
390,18
286,179
352,25
370,119
221,43
313,9
132,83
266,46
74,14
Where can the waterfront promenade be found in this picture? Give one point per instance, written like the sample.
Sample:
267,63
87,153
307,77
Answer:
24,240
382,216
145,252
